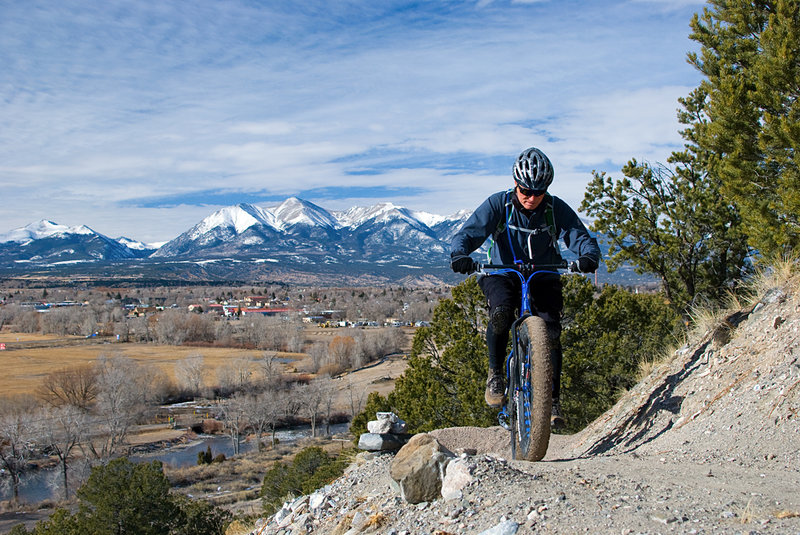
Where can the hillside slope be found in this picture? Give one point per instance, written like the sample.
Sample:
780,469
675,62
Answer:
709,442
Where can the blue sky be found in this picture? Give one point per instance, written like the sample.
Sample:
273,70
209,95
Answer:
141,117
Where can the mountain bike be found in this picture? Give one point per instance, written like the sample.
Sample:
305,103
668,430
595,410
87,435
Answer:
529,371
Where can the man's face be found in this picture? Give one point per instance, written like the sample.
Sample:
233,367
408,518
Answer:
529,199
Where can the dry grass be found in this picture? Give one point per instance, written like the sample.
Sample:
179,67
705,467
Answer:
25,368
7,336
787,514
783,274
710,320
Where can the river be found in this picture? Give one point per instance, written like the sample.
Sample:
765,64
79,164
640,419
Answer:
40,485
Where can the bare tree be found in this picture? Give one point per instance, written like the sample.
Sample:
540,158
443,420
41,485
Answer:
341,350
61,429
28,321
120,399
76,386
16,437
327,389
356,395
270,368
235,415
313,397
263,412
235,375
319,355
190,372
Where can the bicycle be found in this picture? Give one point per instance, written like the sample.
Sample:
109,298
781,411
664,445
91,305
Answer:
529,372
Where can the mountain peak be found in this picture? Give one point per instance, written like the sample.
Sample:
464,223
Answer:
239,218
42,229
296,211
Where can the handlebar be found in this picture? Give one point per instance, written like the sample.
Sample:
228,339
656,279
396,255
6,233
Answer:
525,268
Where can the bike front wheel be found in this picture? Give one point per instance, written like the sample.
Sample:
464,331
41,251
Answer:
531,386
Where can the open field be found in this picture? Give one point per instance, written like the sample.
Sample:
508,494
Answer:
24,369
9,337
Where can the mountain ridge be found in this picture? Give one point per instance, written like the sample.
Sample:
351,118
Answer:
294,240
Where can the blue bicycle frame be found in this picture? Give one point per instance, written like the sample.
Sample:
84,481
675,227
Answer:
525,311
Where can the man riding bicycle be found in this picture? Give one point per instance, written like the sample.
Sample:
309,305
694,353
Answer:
525,224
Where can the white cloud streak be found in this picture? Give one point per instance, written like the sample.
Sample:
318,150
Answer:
107,103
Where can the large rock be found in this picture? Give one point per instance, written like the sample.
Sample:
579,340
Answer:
457,476
381,441
387,422
418,468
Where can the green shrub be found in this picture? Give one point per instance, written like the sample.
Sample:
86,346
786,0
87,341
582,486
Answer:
205,457
311,469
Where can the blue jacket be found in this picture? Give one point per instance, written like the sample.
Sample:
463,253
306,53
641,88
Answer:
524,236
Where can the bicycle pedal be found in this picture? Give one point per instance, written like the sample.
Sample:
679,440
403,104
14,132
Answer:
502,419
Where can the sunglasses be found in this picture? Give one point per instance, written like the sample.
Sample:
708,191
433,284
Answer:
530,192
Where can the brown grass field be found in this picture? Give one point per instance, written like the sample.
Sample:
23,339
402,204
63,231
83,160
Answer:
25,368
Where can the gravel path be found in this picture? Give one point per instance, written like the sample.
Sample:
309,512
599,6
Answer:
708,443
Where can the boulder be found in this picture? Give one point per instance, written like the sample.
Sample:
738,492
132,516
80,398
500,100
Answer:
418,468
381,442
457,476
387,422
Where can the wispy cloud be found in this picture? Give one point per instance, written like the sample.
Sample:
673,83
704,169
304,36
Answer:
138,118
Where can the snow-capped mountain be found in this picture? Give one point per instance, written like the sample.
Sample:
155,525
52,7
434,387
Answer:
43,229
249,242
309,232
48,242
296,212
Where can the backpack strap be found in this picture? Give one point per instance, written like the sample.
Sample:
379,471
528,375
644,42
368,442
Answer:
505,226
551,225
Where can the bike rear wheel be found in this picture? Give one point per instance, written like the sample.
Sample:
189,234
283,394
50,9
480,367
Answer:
530,389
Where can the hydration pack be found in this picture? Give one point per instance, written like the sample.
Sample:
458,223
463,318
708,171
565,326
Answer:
505,226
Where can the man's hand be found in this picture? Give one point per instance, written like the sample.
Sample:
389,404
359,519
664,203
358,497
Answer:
463,264
583,264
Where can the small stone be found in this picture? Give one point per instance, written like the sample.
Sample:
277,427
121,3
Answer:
662,519
316,500
509,527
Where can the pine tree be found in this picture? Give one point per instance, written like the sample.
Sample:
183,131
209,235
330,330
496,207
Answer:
673,221
748,56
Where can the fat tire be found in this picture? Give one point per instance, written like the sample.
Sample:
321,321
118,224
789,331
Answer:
531,385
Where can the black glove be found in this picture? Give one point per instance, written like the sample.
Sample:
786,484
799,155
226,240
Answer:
584,264
463,264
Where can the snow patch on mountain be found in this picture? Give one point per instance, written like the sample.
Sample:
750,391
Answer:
239,218
294,211
43,229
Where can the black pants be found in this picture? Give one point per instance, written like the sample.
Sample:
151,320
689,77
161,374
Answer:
547,302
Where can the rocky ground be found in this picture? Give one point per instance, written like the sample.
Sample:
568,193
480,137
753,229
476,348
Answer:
708,443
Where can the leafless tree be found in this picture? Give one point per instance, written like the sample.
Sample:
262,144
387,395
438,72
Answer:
356,395
235,375
122,330
76,386
28,321
61,429
341,350
319,355
190,372
263,412
16,437
327,388
270,368
121,396
313,397
235,415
